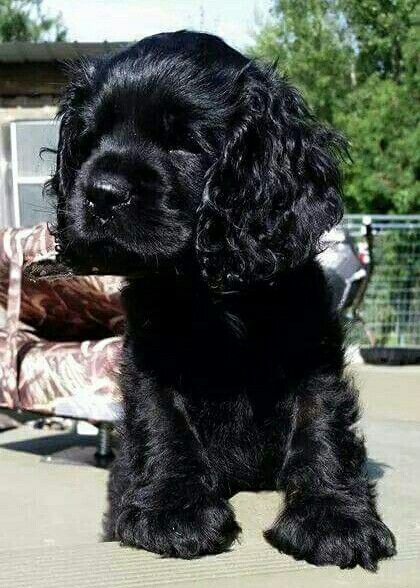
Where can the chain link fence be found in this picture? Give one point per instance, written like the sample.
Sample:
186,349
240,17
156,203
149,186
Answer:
391,307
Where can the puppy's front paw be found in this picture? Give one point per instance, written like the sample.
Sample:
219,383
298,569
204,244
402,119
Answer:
323,537
185,532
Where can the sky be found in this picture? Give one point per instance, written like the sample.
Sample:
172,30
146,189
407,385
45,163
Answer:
129,20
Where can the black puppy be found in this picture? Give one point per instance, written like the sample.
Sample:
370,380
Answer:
202,174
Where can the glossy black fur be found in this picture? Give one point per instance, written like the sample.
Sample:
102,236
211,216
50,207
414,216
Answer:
232,373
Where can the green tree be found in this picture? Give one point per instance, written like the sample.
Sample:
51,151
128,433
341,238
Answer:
381,115
382,123
356,62
381,28
313,48
23,20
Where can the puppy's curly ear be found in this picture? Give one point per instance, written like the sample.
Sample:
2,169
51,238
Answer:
274,190
72,123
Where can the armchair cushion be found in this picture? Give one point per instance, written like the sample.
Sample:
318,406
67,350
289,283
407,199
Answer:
58,351
71,379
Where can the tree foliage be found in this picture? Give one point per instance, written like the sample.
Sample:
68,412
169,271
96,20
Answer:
23,20
356,62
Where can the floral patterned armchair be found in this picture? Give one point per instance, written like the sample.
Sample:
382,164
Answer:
61,339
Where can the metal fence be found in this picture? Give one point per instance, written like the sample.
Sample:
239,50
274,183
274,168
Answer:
391,308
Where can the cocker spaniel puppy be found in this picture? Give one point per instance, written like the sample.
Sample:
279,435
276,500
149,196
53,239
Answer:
202,176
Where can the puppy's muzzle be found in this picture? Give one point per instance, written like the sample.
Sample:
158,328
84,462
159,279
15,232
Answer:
107,192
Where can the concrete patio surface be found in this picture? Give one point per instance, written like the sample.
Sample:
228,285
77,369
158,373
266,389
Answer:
50,514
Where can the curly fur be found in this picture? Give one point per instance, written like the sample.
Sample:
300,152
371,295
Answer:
274,190
232,373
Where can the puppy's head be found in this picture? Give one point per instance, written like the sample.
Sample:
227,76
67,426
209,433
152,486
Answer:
180,145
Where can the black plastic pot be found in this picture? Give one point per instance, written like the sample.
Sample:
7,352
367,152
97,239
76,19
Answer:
391,355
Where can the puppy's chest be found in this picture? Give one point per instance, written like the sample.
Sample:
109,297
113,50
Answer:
238,434
205,349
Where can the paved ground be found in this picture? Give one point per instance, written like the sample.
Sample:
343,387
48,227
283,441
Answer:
50,514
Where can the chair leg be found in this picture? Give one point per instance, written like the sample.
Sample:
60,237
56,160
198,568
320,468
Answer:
104,454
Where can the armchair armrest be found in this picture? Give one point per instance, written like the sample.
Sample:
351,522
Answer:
12,244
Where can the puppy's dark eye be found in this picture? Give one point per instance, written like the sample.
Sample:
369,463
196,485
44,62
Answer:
180,152
185,146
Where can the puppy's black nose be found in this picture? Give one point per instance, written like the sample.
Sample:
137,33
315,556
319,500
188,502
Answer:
107,191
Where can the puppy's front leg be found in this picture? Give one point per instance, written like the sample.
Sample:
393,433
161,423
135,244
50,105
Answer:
330,515
162,497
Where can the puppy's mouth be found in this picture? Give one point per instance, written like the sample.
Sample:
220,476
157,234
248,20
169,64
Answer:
123,242
99,253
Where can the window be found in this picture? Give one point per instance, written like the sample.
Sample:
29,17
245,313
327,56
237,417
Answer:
30,170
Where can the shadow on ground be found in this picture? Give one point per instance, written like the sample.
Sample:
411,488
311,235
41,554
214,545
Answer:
50,444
